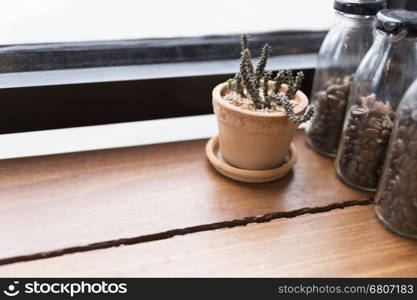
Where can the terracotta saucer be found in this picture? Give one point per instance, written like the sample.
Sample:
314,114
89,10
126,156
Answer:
252,176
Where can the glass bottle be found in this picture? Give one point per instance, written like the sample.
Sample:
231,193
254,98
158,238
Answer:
340,54
396,200
386,72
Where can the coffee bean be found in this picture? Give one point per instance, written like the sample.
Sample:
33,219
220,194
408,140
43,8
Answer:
341,96
367,155
369,143
413,144
402,131
403,161
399,144
331,97
387,123
362,168
351,173
391,184
358,112
332,89
371,132
328,83
352,165
347,79
375,123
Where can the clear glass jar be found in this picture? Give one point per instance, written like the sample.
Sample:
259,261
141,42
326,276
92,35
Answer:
396,200
386,72
340,54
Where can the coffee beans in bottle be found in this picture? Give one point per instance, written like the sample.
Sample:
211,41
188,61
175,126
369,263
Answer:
396,200
382,78
340,54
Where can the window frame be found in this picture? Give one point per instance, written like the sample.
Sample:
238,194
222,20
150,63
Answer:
158,85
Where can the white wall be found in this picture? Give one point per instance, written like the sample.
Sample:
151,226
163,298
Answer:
34,21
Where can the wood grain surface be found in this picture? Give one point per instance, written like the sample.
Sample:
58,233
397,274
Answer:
342,242
75,200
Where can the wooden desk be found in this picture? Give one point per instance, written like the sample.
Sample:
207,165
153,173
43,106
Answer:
69,215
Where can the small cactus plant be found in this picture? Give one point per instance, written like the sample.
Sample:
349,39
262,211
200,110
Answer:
253,84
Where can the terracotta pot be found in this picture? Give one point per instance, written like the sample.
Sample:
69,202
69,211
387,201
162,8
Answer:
254,140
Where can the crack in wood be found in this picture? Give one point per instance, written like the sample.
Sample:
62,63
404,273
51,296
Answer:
193,229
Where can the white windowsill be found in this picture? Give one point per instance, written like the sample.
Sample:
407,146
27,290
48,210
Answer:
87,138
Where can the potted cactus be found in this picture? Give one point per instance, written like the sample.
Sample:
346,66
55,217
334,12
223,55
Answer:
258,113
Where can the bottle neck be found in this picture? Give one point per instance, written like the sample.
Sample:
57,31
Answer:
400,42
354,19
398,39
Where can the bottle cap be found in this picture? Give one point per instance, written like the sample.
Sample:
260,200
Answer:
397,21
360,7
